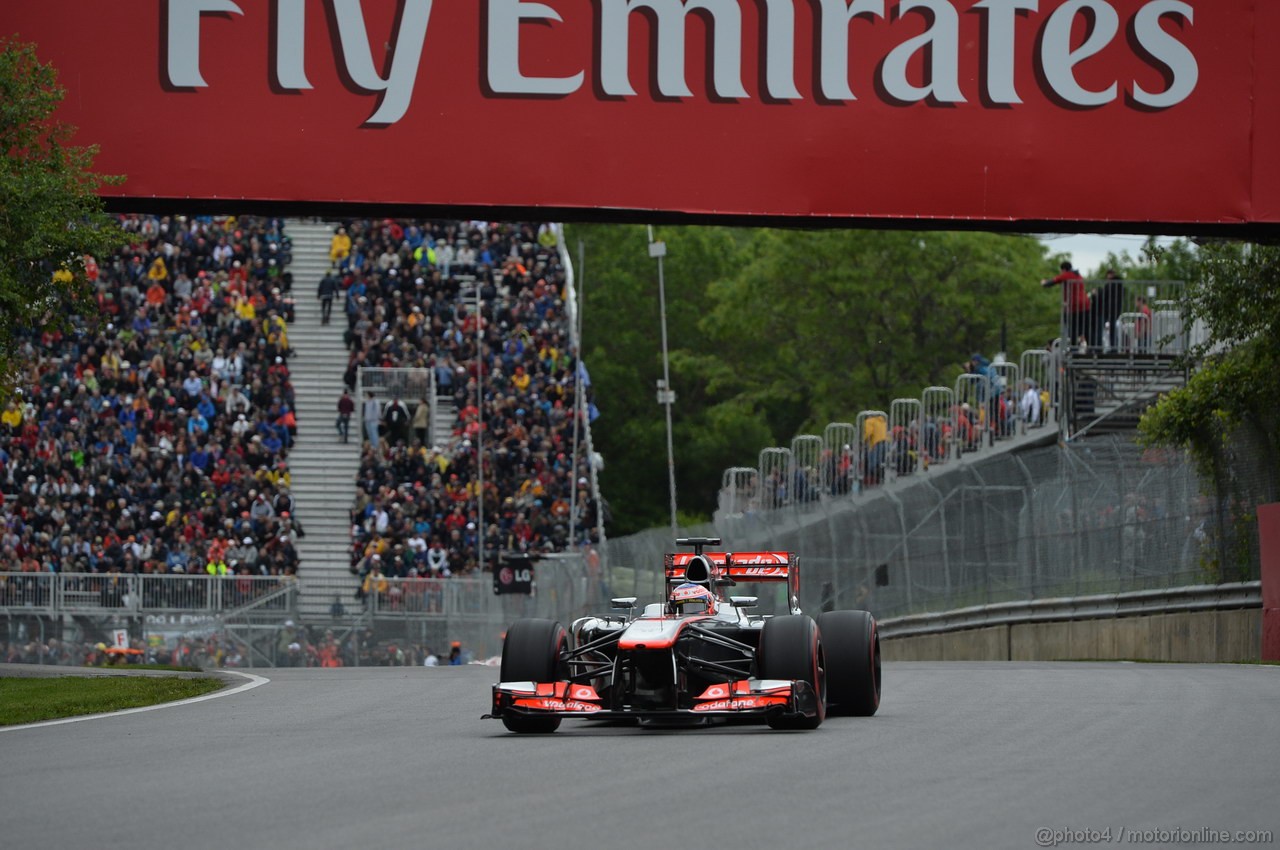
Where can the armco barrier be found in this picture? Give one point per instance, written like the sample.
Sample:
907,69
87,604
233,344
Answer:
1206,623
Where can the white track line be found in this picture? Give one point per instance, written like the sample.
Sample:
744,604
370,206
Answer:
254,681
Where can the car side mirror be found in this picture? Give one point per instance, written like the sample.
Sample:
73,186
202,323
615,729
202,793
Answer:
623,602
744,601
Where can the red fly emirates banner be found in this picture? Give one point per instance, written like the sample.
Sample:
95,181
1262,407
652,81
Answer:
1126,112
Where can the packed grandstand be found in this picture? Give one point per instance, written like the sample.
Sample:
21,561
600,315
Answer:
154,437
409,293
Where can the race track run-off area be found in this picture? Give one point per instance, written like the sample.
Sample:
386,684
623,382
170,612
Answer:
960,755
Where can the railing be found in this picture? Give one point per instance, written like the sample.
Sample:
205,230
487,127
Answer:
410,385
1209,597
942,424
132,594
1130,318
423,597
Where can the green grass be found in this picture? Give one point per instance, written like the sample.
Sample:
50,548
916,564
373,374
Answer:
30,700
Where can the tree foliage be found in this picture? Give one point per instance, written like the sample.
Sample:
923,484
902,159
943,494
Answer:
775,332
1234,396
50,214
1179,260
833,322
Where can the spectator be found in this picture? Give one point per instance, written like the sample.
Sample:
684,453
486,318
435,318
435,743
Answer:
1108,304
339,246
1029,406
422,421
396,416
372,419
1142,324
346,407
1075,303
326,292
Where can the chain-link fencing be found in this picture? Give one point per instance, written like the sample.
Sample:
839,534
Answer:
1097,516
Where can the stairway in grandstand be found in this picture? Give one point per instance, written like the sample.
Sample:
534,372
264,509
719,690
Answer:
323,469
1107,394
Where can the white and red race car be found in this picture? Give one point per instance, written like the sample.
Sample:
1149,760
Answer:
699,655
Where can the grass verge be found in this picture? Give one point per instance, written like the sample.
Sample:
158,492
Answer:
30,700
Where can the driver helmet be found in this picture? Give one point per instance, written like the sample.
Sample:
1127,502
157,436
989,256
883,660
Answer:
691,598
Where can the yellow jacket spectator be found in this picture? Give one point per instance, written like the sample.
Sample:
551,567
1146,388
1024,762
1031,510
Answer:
158,270
375,581
12,416
340,245
110,363
874,430
245,309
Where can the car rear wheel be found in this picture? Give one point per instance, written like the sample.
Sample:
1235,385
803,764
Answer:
791,648
852,647
532,652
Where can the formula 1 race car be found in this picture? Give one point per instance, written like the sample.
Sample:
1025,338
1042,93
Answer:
700,655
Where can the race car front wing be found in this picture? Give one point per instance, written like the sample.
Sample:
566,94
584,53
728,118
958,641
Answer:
764,697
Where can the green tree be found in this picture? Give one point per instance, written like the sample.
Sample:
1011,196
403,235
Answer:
1179,260
1228,414
622,347
50,213
821,324
773,332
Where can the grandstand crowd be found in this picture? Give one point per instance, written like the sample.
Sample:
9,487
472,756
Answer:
153,437
410,292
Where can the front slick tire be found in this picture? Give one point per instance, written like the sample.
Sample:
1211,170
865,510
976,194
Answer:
791,648
852,647
532,652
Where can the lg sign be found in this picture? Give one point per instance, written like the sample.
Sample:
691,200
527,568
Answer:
1116,114
938,47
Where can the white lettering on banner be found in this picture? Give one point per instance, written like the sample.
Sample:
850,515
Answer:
504,51
411,32
780,39
291,31
942,40
671,14
183,48
1056,58
1167,50
1000,15
834,49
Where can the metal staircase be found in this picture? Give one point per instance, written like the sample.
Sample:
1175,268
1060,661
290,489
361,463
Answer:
1108,393
323,469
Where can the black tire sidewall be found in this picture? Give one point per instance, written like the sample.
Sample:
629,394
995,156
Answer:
531,651
791,648
852,645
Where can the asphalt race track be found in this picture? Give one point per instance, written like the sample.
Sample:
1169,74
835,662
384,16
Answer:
961,755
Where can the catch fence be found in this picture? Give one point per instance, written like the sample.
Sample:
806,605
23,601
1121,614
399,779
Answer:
1101,516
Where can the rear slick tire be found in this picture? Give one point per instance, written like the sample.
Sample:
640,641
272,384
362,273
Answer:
532,652
852,645
791,648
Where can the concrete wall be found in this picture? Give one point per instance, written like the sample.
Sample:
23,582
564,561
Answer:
1206,636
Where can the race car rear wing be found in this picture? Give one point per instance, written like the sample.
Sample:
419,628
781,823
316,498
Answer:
741,567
